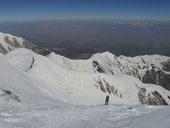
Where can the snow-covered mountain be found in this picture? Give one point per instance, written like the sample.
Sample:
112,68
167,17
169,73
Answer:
153,69
56,92
149,68
28,101
78,86
9,42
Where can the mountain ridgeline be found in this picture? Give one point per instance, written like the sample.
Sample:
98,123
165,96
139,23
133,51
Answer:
149,68
128,80
9,42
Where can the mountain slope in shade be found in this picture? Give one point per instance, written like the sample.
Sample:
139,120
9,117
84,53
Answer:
80,87
9,42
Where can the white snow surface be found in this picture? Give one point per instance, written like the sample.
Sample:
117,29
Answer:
1,54
112,116
134,66
78,87
57,95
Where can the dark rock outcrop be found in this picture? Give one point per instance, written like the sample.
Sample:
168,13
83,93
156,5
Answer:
98,67
166,66
16,42
104,86
3,50
151,98
8,95
158,77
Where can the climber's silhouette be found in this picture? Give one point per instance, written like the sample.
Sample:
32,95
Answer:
107,100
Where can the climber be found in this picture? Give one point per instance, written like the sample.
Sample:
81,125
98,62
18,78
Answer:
107,100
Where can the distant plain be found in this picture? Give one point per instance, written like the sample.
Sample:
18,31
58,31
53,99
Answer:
129,38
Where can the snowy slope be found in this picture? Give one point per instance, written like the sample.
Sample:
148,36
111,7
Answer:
154,69
140,67
52,116
18,88
112,64
48,94
80,87
1,54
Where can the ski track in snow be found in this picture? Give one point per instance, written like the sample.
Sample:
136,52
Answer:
100,116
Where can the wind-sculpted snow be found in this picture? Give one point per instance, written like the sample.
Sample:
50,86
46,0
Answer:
112,116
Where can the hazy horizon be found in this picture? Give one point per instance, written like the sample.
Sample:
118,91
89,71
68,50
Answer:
54,33
129,27
141,37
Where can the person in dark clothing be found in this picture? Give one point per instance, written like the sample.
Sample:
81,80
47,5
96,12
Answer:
107,100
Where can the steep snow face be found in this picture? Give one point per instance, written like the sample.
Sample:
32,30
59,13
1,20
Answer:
84,87
108,63
17,87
